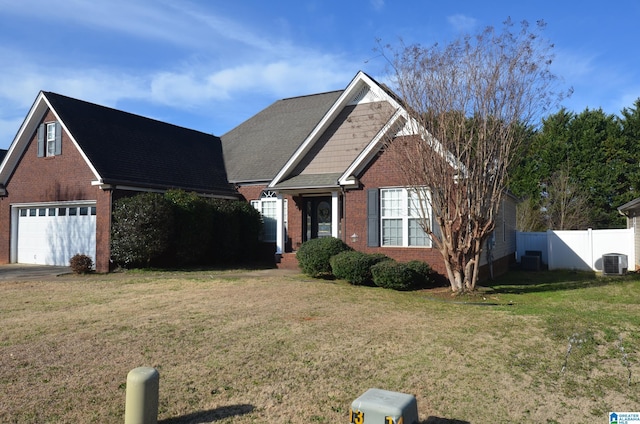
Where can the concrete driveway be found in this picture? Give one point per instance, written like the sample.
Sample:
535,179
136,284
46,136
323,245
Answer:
19,272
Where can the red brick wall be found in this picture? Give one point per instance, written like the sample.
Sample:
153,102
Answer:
51,179
251,192
296,211
381,173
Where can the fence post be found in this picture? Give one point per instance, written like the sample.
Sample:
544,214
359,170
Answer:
142,396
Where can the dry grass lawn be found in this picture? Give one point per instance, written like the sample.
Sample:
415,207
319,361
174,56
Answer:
278,347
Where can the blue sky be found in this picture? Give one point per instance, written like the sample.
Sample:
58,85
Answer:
209,65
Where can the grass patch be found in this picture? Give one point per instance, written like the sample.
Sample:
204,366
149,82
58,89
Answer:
253,346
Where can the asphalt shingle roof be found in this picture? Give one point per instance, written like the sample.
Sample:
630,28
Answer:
311,181
130,149
257,149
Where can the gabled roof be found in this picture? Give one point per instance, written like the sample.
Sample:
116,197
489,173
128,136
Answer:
126,149
257,149
629,206
361,90
294,144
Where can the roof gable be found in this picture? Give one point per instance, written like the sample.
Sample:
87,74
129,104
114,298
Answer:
257,149
348,136
126,149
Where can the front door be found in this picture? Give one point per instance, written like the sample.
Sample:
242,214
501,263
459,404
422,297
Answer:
318,217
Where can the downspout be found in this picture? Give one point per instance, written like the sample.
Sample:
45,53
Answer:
110,215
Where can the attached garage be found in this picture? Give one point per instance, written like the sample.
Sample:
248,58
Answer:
50,234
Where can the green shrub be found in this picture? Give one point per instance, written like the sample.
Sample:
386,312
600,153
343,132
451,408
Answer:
81,264
314,255
237,227
393,275
354,266
193,228
141,230
423,273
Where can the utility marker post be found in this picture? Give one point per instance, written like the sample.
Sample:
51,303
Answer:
142,396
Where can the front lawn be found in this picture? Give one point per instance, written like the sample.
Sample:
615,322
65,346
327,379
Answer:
272,346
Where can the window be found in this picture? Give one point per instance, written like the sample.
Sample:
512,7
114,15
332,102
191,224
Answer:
400,215
267,206
49,139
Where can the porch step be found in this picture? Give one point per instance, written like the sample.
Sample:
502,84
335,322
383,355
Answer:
288,261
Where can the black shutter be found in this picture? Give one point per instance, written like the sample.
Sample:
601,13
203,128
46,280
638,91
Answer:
41,141
373,218
58,148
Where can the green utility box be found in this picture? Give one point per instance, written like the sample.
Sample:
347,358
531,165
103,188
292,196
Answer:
378,406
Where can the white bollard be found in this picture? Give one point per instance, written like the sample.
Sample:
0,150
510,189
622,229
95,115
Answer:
142,396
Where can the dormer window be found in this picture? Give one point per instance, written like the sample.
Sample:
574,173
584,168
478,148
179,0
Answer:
49,139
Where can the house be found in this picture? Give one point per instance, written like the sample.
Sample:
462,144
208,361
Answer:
315,166
631,210
69,162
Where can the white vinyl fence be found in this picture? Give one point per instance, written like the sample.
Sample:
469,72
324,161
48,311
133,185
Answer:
579,250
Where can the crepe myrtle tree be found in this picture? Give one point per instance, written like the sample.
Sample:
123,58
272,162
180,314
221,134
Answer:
470,105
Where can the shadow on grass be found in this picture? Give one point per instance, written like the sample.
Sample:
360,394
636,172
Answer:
210,415
438,420
521,282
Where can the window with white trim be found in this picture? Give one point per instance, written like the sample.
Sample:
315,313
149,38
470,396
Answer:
267,206
49,139
401,211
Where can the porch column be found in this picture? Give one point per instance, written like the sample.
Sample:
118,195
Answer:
335,214
280,224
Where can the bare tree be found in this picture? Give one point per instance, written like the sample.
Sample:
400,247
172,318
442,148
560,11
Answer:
567,208
469,103
530,215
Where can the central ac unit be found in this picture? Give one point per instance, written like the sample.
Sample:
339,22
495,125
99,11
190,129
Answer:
614,264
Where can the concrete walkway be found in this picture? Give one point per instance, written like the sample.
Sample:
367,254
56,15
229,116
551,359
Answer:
20,272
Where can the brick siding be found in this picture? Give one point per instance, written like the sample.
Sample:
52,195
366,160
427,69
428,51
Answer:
65,177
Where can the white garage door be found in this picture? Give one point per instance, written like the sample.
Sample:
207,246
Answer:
52,234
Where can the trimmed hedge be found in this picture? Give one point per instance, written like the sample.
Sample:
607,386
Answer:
423,273
393,275
141,230
354,266
236,232
193,229
314,255
182,228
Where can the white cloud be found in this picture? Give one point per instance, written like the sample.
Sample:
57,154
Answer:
217,60
20,87
627,99
377,4
8,130
571,65
462,23
278,78
151,20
